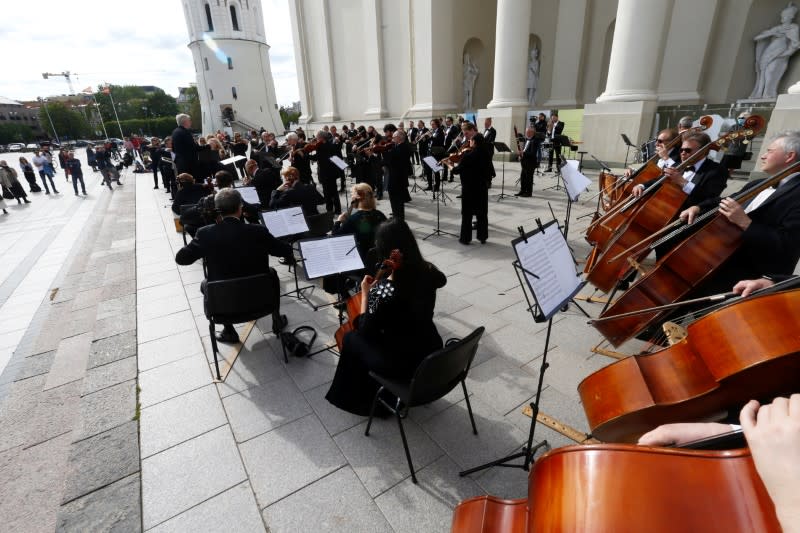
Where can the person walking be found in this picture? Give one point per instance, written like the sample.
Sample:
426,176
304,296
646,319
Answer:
42,164
8,178
30,175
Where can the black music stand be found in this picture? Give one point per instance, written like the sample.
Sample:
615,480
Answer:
440,197
502,148
628,145
542,308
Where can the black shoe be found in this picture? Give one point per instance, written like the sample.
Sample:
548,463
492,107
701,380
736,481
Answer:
56,192
483,241
278,325
76,194
47,192
458,196
463,242
156,187
27,201
228,337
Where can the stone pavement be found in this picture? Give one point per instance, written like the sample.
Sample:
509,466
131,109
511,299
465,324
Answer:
263,450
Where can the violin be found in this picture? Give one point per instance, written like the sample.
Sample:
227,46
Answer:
387,267
624,488
457,157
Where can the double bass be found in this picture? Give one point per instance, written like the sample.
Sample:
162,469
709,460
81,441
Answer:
749,348
659,204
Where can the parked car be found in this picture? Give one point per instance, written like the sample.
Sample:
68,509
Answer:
32,146
16,147
3,148
80,143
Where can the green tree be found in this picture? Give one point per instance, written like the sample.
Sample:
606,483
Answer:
288,116
15,133
194,107
132,102
69,124
160,104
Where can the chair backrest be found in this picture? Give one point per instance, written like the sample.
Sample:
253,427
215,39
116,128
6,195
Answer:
320,225
239,300
442,370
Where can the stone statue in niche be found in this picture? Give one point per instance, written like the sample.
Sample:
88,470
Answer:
471,72
533,75
774,47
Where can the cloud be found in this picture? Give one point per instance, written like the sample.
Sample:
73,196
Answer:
142,43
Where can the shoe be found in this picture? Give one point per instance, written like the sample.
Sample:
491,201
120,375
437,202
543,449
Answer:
47,192
76,194
483,241
466,243
156,187
27,201
228,337
119,183
56,192
279,325
5,212
459,196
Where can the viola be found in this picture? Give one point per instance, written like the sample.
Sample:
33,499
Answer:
660,204
394,262
676,274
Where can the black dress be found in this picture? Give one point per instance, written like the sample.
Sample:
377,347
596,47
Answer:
391,338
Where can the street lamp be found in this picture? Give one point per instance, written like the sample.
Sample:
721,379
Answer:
43,101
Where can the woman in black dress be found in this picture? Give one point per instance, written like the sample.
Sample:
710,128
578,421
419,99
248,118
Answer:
395,331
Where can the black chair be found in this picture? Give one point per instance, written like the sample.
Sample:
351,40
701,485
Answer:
435,376
237,300
185,209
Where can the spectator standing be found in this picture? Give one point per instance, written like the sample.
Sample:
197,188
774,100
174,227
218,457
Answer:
73,165
30,176
41,164
8,178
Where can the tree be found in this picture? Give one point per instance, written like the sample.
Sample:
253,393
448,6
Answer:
15,133
160,104
194,106
132,102
288,116
69,124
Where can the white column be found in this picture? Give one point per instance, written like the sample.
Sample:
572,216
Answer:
572,14
636,53
332,113
373,50
301,61
511,54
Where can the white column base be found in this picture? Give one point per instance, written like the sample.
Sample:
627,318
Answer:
604,122
497,103
634,95
375,113
503,120
785,116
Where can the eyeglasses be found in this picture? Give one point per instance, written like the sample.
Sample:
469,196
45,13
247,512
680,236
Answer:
687,150
660,141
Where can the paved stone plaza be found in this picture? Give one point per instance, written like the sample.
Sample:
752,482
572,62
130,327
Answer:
263,450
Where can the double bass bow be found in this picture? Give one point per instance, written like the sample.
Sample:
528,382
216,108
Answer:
659,204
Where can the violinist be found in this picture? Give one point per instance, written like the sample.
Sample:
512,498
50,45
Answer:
528,161
395,331
421,143
293,192
299,159
338,143
239,147
327,171
436,148
397,161
770,222
474,169
555,130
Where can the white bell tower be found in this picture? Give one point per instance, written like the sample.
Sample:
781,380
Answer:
231,59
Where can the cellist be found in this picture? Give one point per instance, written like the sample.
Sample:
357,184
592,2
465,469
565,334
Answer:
770,222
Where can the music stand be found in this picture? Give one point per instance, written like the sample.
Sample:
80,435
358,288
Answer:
285,224
551,288
439,196
502,148
629,145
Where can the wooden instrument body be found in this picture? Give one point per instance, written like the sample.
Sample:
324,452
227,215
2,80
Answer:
651,216
624,488
673,277
749,349
353,312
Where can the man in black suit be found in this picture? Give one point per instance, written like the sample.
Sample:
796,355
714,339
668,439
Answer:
489,135
437,149
233,249
413,132
770,222
528,159
265,180
557,137
451,133
397,161
474,169
293,193
327,171
184,146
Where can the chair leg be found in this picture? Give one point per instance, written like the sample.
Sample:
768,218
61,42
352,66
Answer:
469,407
372,411
405,447
214,347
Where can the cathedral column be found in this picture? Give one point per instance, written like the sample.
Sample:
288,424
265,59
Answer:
510,57
628,105
376,107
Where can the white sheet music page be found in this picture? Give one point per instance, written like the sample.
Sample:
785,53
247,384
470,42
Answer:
338,161
548,256
232,160
283,222
331,255
249,195
575,182
432,163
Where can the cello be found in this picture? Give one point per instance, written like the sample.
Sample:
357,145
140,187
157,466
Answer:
624,488
748,348
394,262
682,269
659,204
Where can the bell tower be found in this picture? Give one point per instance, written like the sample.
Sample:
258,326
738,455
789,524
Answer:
231,59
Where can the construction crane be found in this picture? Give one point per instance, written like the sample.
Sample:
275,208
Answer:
66,75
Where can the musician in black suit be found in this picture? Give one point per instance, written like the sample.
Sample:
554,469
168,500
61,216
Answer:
556,131
770,222
421,143
474,169
451,142
489,135
265,180
528,160
437,149
233,249
413,132
397,161
298,158
184,147
293,193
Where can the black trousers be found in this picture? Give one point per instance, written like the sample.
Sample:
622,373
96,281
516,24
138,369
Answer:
331,194
474,204
526,177
557,150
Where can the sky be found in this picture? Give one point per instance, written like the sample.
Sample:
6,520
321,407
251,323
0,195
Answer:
123,42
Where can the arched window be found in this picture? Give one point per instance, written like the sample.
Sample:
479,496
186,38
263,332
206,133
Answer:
208,18
234,20
233,93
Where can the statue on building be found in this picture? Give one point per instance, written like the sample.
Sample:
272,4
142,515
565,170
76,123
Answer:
533,75
471,72
774,47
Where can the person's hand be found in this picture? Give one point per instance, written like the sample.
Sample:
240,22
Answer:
342,217
628,172
690,214
773,435
366,283
675,176
734,212
677,434
637,190
746,287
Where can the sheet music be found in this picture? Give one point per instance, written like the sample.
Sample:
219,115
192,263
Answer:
575,182
338,161
249,195
283,222
432,163
331,255
547,255
232,160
